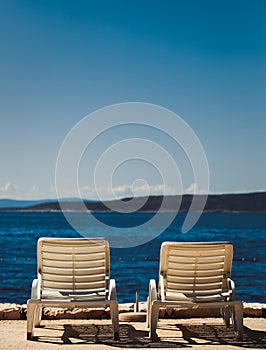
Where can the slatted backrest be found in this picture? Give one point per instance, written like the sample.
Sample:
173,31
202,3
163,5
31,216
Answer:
196,269
74,266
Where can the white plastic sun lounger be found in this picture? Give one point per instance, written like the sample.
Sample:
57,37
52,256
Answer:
72,272
195,275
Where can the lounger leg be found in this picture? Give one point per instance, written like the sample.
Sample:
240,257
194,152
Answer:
153,321
148,316
226,313
30,320
38,316
238,320
115,322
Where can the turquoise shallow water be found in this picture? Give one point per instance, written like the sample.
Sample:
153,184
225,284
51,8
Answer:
132,267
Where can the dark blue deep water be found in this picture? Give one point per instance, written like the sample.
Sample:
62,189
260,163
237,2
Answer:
133,267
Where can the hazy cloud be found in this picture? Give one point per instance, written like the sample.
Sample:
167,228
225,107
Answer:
35,189
138,189
194,188
13,191
10,190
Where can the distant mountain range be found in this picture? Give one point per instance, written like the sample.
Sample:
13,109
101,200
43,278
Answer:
240,202
13,203
16,203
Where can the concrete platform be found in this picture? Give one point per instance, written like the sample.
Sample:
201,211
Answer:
197,333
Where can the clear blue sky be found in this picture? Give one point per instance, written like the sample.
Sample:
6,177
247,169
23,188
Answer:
61,60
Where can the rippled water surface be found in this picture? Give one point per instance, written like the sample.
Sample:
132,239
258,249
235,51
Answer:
132,267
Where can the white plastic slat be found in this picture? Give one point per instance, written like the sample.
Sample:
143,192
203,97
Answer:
79,271
76,279
73,249
207,260
72,242
51,294
195,260
184,267
192,273
69,264
78,257
188,292
202,298
195,245
192,279
196,253
200,287
74,286
205,299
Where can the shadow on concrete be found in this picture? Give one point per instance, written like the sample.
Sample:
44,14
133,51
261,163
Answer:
175,336
219,334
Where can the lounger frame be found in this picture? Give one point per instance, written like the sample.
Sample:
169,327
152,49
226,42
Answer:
195,275
72,272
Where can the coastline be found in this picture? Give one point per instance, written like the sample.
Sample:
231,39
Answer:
205,211
19,312
214,203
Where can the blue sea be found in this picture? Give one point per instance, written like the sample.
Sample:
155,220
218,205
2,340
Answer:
133,267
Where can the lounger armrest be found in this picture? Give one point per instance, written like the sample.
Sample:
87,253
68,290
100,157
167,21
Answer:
152,291
36,289
112,290
161,287
231,287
